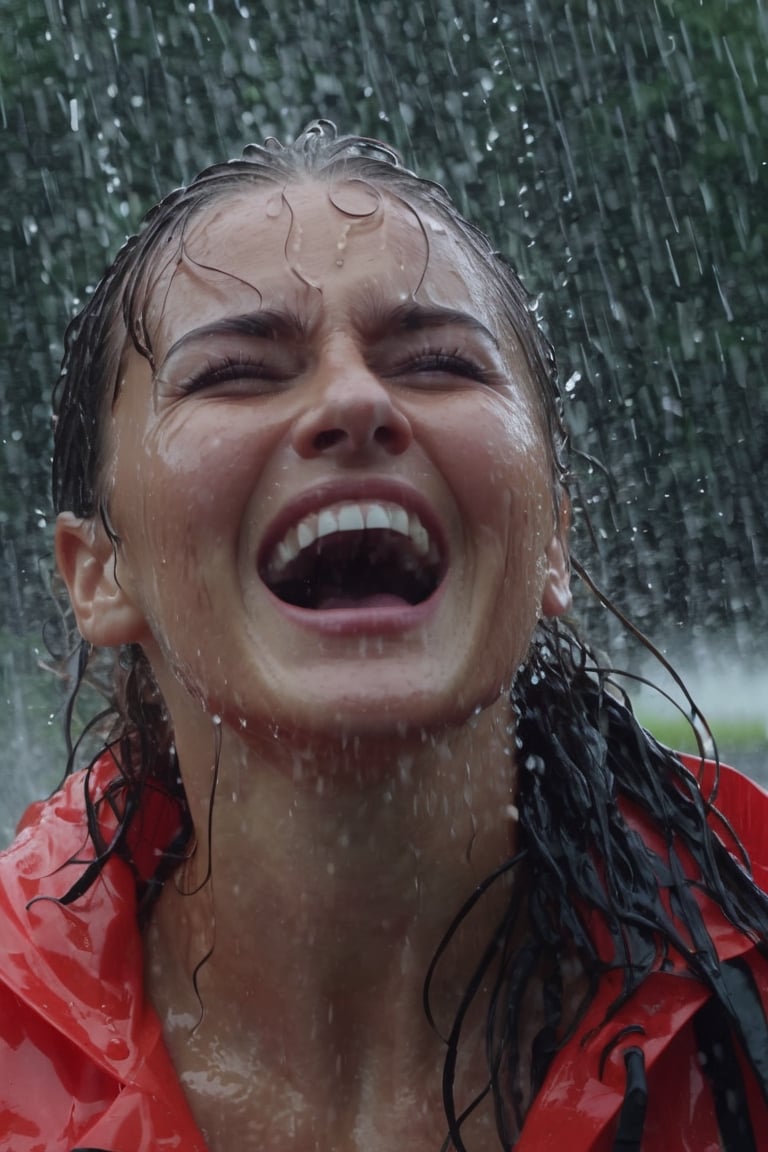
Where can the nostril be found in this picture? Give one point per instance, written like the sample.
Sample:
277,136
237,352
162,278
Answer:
384,435
355,425
328,439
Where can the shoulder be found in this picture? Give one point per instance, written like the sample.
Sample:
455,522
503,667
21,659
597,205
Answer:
50,985
75,1028
56,835
48,927
663,1043
64,812
744,806
50,834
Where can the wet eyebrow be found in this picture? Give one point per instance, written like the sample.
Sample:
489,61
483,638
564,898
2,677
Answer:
267,324
378,323
414,317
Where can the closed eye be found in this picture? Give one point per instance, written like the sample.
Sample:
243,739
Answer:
234,376
444,363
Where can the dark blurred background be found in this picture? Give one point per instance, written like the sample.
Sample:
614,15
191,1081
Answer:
615,149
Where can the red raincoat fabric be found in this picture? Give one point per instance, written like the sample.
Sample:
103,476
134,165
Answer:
82,1060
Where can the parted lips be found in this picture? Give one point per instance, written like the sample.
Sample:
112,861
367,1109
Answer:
362,552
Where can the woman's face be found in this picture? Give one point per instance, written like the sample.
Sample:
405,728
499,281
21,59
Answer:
334,497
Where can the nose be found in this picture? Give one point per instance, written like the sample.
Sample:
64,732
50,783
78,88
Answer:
351,414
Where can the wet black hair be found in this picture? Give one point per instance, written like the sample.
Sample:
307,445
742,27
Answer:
582,757
588,776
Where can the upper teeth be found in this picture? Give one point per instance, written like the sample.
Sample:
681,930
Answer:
351,517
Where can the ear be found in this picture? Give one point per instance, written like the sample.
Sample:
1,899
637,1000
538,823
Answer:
556,598
105,612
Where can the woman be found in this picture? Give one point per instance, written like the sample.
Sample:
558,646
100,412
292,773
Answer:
311,484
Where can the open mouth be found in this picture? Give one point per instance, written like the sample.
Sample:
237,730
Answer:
361,554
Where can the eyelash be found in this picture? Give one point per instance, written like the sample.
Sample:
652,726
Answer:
453,362
223,371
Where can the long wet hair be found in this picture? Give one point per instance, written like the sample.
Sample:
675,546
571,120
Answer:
582,758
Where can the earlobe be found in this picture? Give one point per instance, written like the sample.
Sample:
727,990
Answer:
557,597
105,613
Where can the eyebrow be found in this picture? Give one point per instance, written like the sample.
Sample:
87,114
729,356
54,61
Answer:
265,324
414,317
274,324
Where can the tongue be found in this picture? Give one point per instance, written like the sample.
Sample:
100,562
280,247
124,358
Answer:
375,600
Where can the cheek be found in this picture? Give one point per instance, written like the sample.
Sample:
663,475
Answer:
179,505
188,474
505,464
495,458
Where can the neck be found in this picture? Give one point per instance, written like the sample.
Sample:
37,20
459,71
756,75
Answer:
334,874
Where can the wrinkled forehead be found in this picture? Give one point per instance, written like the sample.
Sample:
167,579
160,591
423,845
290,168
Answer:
300,246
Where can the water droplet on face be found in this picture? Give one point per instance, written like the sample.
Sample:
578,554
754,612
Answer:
405,766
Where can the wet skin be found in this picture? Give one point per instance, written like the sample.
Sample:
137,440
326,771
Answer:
371,363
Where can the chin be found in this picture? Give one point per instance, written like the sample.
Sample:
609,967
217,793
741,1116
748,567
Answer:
383,711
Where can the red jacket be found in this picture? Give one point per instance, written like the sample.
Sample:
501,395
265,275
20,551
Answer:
83,1064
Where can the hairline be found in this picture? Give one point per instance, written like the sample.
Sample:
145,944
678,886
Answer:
404,187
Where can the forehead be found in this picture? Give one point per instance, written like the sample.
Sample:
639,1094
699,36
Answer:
313,245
